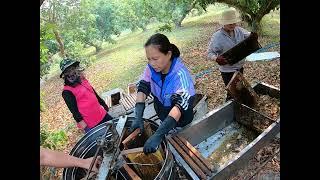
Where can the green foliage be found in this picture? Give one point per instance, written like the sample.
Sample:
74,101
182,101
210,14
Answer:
52,140
164,28
253,5
199,9
75,50
252,11
107,19
92,23
46,35
52,46
172,11
42,105
136,13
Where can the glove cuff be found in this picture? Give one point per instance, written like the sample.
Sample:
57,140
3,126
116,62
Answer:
139,109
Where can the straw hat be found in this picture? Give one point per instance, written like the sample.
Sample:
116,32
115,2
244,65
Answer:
229,16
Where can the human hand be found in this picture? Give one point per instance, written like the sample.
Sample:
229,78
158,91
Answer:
221,60
82,125
96,165
138,121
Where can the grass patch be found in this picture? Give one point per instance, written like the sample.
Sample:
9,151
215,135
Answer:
271,26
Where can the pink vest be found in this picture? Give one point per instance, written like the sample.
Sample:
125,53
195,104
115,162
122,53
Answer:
87,102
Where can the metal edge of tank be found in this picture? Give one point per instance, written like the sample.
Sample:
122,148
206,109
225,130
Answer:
243,156
263,139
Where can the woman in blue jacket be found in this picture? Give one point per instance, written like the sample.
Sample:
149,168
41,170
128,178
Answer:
170,82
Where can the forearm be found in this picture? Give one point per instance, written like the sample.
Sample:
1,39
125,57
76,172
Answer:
175,113
81,124
60,159
141,97
212,52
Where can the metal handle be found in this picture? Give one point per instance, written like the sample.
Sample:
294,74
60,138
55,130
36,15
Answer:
99,147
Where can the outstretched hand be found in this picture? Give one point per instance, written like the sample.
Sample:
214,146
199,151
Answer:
96,165
221,60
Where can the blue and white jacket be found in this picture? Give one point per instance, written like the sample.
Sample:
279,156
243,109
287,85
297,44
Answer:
178,80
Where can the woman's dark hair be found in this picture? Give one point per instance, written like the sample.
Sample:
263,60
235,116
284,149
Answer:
164,45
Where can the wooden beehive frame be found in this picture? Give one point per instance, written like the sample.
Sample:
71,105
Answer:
136,158
241,90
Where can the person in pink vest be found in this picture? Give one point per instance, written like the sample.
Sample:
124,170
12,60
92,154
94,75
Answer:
87,108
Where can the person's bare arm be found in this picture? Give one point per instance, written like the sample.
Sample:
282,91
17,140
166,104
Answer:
61,160
175,113
141,97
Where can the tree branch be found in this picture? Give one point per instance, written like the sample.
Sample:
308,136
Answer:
237,5
265,10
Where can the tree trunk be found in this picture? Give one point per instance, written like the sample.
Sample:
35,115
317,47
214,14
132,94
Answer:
179,22
59,40
97,46
142,25
254,22
144,28
255,25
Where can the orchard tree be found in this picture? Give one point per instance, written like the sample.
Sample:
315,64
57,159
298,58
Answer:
52,13
252,11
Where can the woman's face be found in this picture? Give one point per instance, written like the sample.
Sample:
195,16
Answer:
230,27
71,74
160,62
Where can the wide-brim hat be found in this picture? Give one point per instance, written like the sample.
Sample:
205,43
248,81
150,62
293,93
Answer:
65,63
229,16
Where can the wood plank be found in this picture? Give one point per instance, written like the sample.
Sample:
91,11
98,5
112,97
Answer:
134,95
108,101
132,136
127,106
132,88
193,166
124,103
130,172
131,151
127,101
195,158
196,152
133,101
